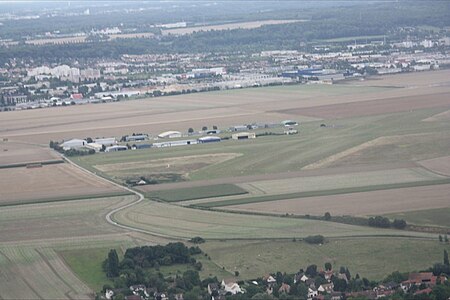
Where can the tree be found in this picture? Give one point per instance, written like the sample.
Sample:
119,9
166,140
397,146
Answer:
446,262
445,238
311,271
328,266
399,224
112,264
204,128
215,127
440,236
236,273
327,216
191,130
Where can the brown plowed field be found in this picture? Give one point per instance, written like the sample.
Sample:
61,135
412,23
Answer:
366,203
49,182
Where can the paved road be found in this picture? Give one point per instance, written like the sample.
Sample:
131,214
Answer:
109,216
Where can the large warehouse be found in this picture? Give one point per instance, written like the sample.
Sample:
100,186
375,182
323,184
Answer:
243,136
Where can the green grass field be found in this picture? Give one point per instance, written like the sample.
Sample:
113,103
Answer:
86,263
273,154
218,190
430,217
180,222
373,258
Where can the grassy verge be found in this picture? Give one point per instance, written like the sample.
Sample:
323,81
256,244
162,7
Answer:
428,217
200,192
321,193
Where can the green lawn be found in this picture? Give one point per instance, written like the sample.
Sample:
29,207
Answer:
429,217
87,264
373,258
218,190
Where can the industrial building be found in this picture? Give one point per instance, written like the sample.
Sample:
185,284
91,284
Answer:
169,135
116,148
73,144
136,138
175,143
141,146
209,139
243,136
106,141
288,123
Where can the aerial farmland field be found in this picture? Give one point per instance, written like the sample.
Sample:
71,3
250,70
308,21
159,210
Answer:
383,163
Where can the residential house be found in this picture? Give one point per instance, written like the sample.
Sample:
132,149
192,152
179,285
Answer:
230,286
312,292
109,294
326,288
213,289
285,288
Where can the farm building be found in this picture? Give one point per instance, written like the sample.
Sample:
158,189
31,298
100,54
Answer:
209,139
214,131
288,123
175,143
243,135
94,146
106,141
136,138
73,144
239,128
116,148
169,135
140,146
290,131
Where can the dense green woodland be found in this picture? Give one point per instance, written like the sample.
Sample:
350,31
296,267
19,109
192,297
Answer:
331,22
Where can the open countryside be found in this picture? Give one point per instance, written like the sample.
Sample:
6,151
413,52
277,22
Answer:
198,150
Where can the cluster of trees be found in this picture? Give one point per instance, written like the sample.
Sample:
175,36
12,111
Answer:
134,267
71,152
384,222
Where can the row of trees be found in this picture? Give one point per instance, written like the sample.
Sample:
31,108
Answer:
384,222
71,152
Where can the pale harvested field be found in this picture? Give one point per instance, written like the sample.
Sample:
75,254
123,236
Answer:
230,26
176,165
49,182
67,40
58,220
374,107
391,149
340,181
38,273
440,117
223,108
440,165
362,204
19,153
409,80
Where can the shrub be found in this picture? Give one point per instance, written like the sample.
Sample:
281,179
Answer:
315,239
